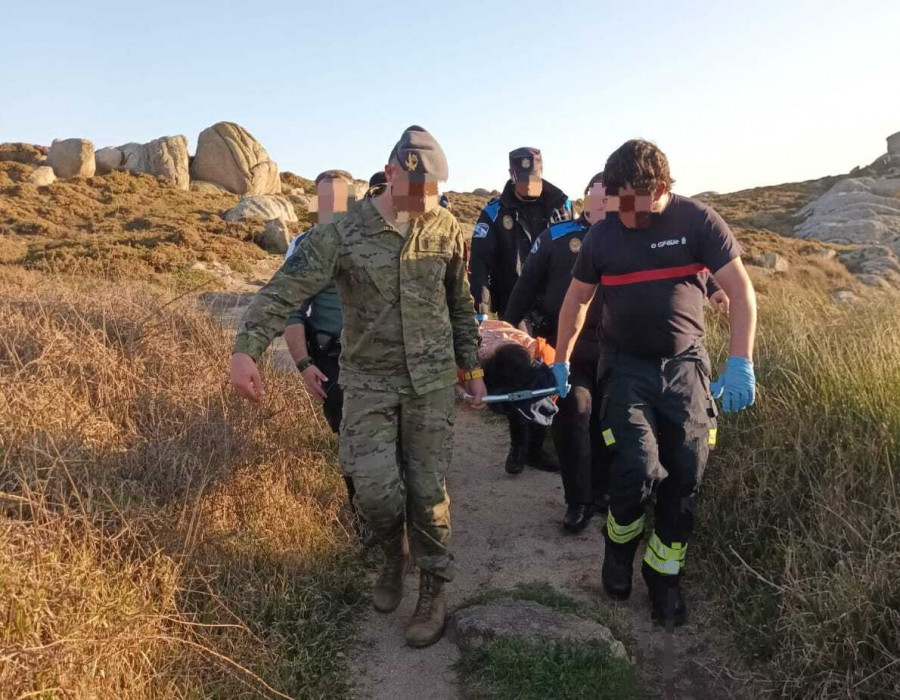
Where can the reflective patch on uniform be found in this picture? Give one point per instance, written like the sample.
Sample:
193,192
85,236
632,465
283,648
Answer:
666,560
575,245
620,534
713,434
481,230
508,222
537,244
609,438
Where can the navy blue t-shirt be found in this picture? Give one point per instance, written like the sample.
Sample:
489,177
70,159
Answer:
652,291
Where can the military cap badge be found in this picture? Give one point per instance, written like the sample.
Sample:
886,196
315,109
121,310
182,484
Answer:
526,163
412,161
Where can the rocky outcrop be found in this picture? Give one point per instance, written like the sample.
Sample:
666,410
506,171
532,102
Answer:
23,153
165,158
262,207
874,265
769,261
473,626
275,238
893,144
72,158
108,159
42,176
228,155
862,211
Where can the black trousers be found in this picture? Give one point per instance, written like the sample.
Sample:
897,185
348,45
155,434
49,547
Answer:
584,459
325,351
659,422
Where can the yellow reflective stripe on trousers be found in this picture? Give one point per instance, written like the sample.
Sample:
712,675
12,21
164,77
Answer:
620,534
665,560
608,438
713,434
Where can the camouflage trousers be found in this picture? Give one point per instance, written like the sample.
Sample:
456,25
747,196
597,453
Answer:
397,449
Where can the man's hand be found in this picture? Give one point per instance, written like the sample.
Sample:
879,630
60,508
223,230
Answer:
736,386
314,380
245,377
477,390
720,302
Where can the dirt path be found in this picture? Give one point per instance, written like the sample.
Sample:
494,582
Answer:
506,531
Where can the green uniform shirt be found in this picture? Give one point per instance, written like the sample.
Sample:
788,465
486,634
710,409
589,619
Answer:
409,319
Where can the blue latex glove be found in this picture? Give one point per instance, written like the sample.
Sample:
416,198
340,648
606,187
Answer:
737,386
481,318
561,374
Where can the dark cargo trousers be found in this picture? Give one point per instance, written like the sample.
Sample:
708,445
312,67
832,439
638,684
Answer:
325,351
397,448
658,419
584,459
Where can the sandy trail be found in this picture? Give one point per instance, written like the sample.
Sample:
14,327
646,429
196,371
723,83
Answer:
506,531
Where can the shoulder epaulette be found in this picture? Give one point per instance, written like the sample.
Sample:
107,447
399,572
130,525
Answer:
564,228
492,208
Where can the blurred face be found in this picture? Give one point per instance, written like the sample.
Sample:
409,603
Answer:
635,206
595,203
528,184
332,200
413,194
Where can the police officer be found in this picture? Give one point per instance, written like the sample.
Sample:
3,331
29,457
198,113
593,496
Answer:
502,238
313,330
658,416
584,461
399,263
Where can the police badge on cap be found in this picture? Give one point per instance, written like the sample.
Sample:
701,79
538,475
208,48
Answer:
526,164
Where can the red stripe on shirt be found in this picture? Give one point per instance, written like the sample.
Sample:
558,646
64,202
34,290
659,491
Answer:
663,273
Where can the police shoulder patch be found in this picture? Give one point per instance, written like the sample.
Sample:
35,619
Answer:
492,209
481,230
563,228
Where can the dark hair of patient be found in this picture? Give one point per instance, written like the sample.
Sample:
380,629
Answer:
508,369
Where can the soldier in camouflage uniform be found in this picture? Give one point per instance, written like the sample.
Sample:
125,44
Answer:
399,264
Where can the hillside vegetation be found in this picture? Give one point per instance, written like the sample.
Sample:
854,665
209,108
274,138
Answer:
161,540
158,538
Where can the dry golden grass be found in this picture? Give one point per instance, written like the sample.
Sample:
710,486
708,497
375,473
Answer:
120,226
159,539
798,529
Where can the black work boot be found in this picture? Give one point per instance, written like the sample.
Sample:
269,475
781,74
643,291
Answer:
577,517
518,445
430,617
388,591
618,568
537,455
666,602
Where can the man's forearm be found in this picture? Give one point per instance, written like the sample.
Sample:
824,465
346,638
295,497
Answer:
571,321
295,337
743,325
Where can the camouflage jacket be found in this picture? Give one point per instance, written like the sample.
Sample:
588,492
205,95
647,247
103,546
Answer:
409,319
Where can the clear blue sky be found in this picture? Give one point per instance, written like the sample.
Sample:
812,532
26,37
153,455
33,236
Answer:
738,94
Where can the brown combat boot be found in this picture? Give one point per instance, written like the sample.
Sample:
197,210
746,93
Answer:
427,624
388,590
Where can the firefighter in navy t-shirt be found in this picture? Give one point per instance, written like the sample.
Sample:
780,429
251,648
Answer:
657,414
576,434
